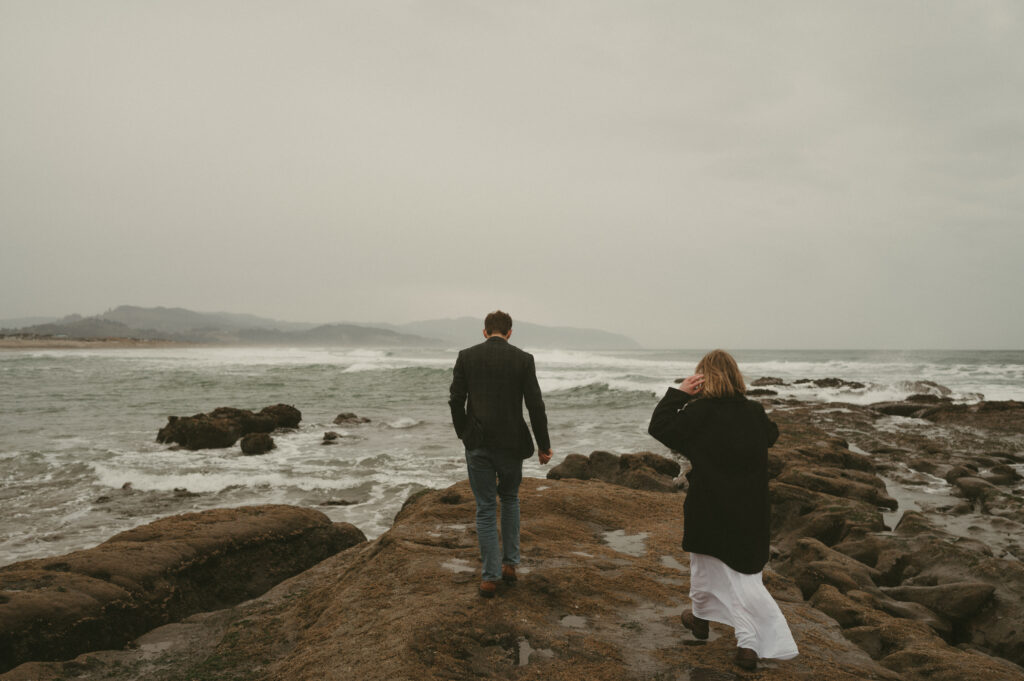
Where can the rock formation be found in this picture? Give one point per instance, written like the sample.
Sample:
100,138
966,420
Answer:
257,443
349,419
56,608
223,426
602,584
638,471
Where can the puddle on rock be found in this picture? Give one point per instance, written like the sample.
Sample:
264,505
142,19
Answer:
526,651
648,628
706,674
913,490
925,493
630,544
457,565
573,622
671,562
441,530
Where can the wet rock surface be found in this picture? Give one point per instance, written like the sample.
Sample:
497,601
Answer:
942,577
103,597
405,606
884,566
223,426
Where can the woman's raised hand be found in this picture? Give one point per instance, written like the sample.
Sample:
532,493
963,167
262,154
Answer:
692,384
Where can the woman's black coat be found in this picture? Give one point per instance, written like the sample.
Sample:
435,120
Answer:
726,512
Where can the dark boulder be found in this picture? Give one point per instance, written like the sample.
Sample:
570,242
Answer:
767,380
657,463
573,466
257,443
349,419
957,472
831,383
761,392
200,432
642,470
247,421
284,415
975,488
1002,474
224,425
811,564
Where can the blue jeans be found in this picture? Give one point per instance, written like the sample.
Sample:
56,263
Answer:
491,474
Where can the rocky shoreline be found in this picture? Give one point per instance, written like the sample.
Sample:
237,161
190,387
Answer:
57,608
896,543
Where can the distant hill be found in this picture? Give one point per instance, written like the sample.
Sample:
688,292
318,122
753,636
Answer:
188,326
177,320
334,334
90,327
464,331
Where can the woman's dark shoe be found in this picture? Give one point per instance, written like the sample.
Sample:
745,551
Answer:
508,574
487,589
697,626
746,659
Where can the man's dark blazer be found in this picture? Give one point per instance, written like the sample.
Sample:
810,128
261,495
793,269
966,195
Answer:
489,385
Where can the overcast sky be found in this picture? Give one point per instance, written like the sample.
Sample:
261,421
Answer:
744,175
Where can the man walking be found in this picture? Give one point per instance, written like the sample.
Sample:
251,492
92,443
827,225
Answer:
489,385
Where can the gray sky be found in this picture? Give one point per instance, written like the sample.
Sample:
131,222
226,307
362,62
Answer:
776,175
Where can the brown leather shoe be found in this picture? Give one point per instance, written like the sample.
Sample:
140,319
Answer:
487,589
746,659
697,626
508,574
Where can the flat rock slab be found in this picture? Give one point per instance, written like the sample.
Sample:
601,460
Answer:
57,608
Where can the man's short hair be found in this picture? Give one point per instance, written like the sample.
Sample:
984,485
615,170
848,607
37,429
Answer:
497,322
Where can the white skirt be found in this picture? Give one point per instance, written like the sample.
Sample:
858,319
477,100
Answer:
720,594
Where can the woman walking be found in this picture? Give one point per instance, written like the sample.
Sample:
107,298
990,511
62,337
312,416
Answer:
726,437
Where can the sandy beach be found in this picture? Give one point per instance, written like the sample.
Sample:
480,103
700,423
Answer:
50,343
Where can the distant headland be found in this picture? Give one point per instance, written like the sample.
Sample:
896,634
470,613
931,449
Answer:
131,326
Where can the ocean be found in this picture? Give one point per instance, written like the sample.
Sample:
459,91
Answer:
79,460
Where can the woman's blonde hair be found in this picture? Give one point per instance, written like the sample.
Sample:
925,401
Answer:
722,377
